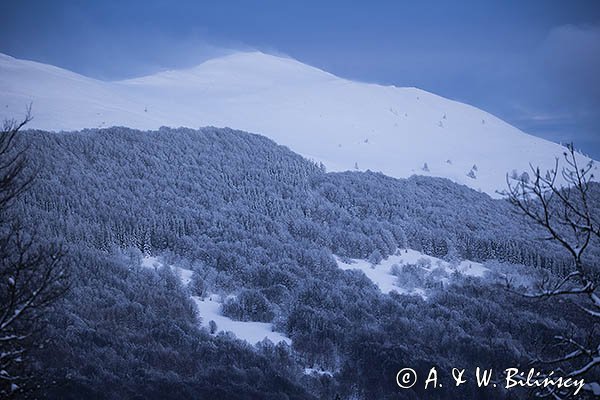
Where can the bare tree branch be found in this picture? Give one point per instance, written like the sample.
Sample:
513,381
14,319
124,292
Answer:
32,275
564,211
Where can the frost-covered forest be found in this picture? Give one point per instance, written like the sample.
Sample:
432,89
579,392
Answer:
256,221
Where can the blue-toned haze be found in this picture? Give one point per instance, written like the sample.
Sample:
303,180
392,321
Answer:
532,63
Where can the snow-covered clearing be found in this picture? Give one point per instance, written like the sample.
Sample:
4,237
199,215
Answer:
252,332
317,371
381,273
209,309
184,274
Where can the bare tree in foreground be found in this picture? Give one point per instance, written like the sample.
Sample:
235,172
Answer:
31,275
568,215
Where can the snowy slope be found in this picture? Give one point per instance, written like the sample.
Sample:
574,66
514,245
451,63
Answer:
342,123
209,309
381,274
250,331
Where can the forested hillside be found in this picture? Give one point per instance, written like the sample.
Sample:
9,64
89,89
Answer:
255,220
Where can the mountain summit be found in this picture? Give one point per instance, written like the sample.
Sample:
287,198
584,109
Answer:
344,124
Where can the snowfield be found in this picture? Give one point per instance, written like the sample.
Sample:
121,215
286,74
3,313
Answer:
381,274
252,332
346,125
185,275
209,309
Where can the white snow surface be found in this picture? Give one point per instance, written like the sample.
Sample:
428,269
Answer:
317,371
153,262
252,332
210,309
380,274
342,123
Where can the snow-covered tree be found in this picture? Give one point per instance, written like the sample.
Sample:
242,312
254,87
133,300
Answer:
571,219
31,275
212,327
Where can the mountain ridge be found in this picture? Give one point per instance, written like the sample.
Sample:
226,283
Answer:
344,124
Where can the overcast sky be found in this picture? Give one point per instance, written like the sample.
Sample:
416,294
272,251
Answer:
533,63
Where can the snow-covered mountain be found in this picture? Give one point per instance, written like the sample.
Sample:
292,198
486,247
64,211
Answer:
344,124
